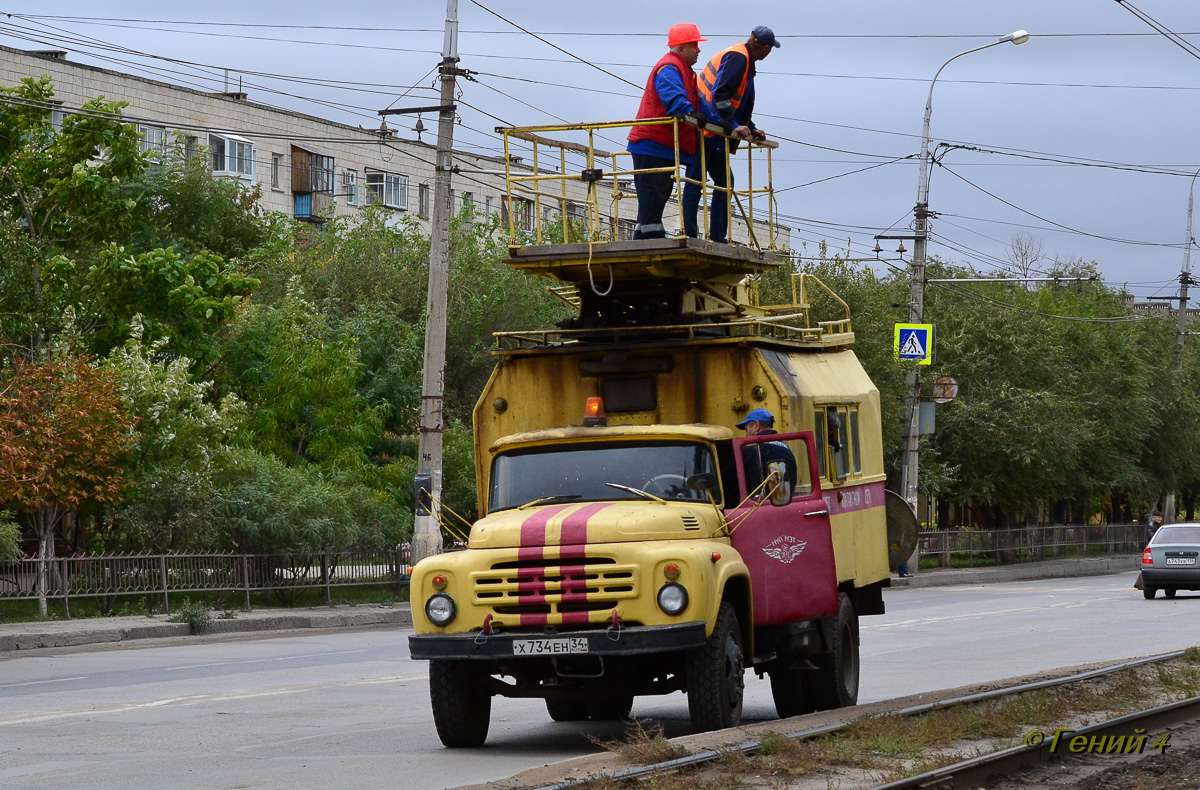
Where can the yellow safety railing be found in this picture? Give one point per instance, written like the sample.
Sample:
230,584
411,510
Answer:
569,191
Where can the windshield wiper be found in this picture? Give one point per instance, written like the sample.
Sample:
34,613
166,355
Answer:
637,491
549,499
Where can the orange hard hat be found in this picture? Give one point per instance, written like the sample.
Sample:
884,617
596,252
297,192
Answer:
684,33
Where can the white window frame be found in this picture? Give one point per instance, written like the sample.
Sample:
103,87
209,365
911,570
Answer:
154,140
423,200
276,170
391,189
350,182
234,150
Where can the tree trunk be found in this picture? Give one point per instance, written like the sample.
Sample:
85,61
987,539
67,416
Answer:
45,521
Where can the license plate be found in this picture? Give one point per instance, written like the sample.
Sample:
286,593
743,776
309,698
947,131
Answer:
550,647
1181,560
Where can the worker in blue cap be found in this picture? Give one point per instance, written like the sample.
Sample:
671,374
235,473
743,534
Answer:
756,457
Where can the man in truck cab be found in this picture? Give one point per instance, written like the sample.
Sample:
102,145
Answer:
757,457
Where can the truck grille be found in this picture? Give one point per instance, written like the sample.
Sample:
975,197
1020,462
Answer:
555,587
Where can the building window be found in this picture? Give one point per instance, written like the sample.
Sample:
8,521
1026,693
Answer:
154,141
350,186
468,200
625,229
189,147
57,116
231,155
576,212
390,189
423,200
488,205
522,212
276,165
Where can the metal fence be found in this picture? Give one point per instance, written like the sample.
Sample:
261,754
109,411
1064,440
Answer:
971,547
105,577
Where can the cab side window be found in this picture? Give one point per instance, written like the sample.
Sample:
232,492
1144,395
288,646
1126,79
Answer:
836,428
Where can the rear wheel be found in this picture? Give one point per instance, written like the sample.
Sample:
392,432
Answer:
616,707
1169,592
789,689
1148,592
567,709
835,683
462,707
715,676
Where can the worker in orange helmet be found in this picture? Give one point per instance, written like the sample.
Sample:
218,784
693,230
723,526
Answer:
671,90
726,87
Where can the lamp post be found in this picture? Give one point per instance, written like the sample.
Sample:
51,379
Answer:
916,309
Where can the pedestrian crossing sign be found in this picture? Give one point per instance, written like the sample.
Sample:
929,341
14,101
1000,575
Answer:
914,343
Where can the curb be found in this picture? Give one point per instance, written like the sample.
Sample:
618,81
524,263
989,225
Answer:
1056,569
73,633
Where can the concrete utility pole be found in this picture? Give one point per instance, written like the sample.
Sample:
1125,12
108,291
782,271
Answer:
427,534
1185,279
916,307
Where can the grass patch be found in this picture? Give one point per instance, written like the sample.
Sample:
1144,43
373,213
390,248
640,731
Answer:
643,745
197,614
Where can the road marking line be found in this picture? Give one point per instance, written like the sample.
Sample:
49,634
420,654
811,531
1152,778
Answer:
41,682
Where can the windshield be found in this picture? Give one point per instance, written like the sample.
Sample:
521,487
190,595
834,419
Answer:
578,472
1188,534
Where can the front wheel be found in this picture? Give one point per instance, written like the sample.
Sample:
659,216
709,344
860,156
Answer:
715,676
835,683
462,706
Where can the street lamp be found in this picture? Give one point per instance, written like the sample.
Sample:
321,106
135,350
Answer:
916,309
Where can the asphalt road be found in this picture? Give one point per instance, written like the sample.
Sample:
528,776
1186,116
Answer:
350,710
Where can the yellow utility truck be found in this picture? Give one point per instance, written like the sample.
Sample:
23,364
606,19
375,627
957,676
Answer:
632,540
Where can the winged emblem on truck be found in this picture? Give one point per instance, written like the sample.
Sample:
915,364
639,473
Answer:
785,552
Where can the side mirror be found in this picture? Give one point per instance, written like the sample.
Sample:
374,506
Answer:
778,484
704,481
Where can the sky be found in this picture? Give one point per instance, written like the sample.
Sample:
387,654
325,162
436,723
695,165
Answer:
1082,139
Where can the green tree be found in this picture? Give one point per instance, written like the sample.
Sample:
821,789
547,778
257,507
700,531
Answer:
62,186
184,299
181,435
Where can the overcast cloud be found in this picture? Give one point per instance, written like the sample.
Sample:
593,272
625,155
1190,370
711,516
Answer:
848,64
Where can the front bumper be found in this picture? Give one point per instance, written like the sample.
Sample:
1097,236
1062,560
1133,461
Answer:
631,641
1186,578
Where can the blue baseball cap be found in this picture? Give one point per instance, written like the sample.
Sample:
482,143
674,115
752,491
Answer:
765,35
762,415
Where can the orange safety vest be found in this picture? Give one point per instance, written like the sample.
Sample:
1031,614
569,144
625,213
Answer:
708,78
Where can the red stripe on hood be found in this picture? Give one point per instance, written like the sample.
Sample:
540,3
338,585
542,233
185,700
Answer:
533,533
573,535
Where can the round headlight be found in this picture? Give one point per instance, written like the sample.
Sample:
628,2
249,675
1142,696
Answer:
672,598
440,609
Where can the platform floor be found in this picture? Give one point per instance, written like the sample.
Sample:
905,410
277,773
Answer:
692,259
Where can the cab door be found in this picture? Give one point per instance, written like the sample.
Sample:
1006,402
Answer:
788,548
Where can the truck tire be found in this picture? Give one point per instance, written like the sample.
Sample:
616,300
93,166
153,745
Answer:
789,689
567,709
715,676
835,682
462,707
616,707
